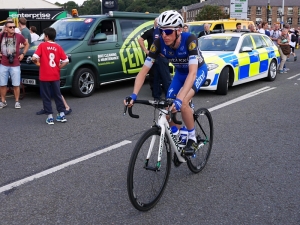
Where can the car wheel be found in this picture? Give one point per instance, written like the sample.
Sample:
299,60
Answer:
272,73
83,83
222,87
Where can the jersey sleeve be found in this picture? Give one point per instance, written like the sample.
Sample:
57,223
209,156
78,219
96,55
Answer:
195,55
38,52
155,49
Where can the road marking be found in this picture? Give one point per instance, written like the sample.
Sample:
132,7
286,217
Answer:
89,156
289,78
243,97
60,167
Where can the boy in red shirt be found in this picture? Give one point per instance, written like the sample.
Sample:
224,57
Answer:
51,58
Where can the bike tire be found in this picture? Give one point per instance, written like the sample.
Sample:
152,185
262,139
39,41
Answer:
145,187
204,134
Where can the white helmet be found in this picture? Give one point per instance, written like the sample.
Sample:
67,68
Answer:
170,18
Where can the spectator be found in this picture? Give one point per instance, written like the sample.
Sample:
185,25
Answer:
264,29
293,43
52,58
159,72
252,28
275,33
33,34
185,28
17,30
24,30
206,30
238,27
10,61
283,43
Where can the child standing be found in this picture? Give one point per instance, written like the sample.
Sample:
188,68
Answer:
51,58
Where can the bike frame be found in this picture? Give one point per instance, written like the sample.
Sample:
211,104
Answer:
165,130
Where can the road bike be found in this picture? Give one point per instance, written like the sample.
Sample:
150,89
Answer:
151,159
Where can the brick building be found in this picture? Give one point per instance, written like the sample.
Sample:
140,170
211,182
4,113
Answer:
257,10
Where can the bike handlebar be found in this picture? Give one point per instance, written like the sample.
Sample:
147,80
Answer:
161,104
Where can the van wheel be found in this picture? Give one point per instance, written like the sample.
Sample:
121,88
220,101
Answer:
222,87
83,83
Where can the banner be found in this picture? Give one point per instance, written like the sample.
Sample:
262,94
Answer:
38,14
109,5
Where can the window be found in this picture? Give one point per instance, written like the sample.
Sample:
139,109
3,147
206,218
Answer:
247,42
298,20
127,26
290,20
258,10
249,10
107,27
259,42
279,11
290,11
298,10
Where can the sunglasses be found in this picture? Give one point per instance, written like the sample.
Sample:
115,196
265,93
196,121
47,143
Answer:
12,27
166,31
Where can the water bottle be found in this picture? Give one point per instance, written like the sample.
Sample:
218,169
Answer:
175,132
183,136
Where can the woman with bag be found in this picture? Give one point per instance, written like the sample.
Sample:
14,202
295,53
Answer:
284,48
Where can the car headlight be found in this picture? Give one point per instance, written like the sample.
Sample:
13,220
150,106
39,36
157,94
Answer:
211,66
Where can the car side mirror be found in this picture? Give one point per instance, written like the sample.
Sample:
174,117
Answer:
99,37
246,49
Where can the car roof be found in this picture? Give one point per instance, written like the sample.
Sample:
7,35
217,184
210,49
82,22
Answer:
234,34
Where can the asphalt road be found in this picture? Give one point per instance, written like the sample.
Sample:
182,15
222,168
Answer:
48,175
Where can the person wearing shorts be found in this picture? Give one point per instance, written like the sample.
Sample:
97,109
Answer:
11,56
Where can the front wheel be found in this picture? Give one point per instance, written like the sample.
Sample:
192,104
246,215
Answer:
204,135
146,177
83,83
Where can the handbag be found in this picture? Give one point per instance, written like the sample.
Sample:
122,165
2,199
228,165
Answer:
286,49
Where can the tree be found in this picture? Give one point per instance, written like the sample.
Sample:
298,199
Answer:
211,12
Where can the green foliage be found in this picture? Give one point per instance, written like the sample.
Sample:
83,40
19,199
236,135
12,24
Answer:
92,7
211,12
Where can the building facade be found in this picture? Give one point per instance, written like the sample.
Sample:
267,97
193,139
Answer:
257,11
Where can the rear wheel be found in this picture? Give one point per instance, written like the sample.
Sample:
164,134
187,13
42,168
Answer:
272,73
83,83
204,134
222,87
147,178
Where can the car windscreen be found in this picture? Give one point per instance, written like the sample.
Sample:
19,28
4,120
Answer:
71,28
196,29
217,43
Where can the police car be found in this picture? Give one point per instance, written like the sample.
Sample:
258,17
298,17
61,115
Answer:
236,58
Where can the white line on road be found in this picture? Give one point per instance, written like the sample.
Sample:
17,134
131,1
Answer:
86,157
289,78
243,97
62,166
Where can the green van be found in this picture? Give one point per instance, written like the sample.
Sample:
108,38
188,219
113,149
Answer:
101,49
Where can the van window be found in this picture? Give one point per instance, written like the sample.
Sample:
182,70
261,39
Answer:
107,27
71,28
218,27
196,29
127,26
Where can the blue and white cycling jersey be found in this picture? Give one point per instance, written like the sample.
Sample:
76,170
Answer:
187,53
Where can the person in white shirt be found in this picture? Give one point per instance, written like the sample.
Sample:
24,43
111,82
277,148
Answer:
275,34
292,44
34,35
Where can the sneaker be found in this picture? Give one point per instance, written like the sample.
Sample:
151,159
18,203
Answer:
18,105
286,69
42,111
61,118
3,105
50,121
282,71
190,147
295,58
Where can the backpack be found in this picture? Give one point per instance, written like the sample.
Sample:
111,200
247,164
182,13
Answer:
293,38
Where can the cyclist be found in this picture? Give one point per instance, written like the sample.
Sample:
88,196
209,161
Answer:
182,51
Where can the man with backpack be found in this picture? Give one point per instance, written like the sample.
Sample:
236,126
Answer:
292,43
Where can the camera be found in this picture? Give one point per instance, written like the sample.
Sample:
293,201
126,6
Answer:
11,58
